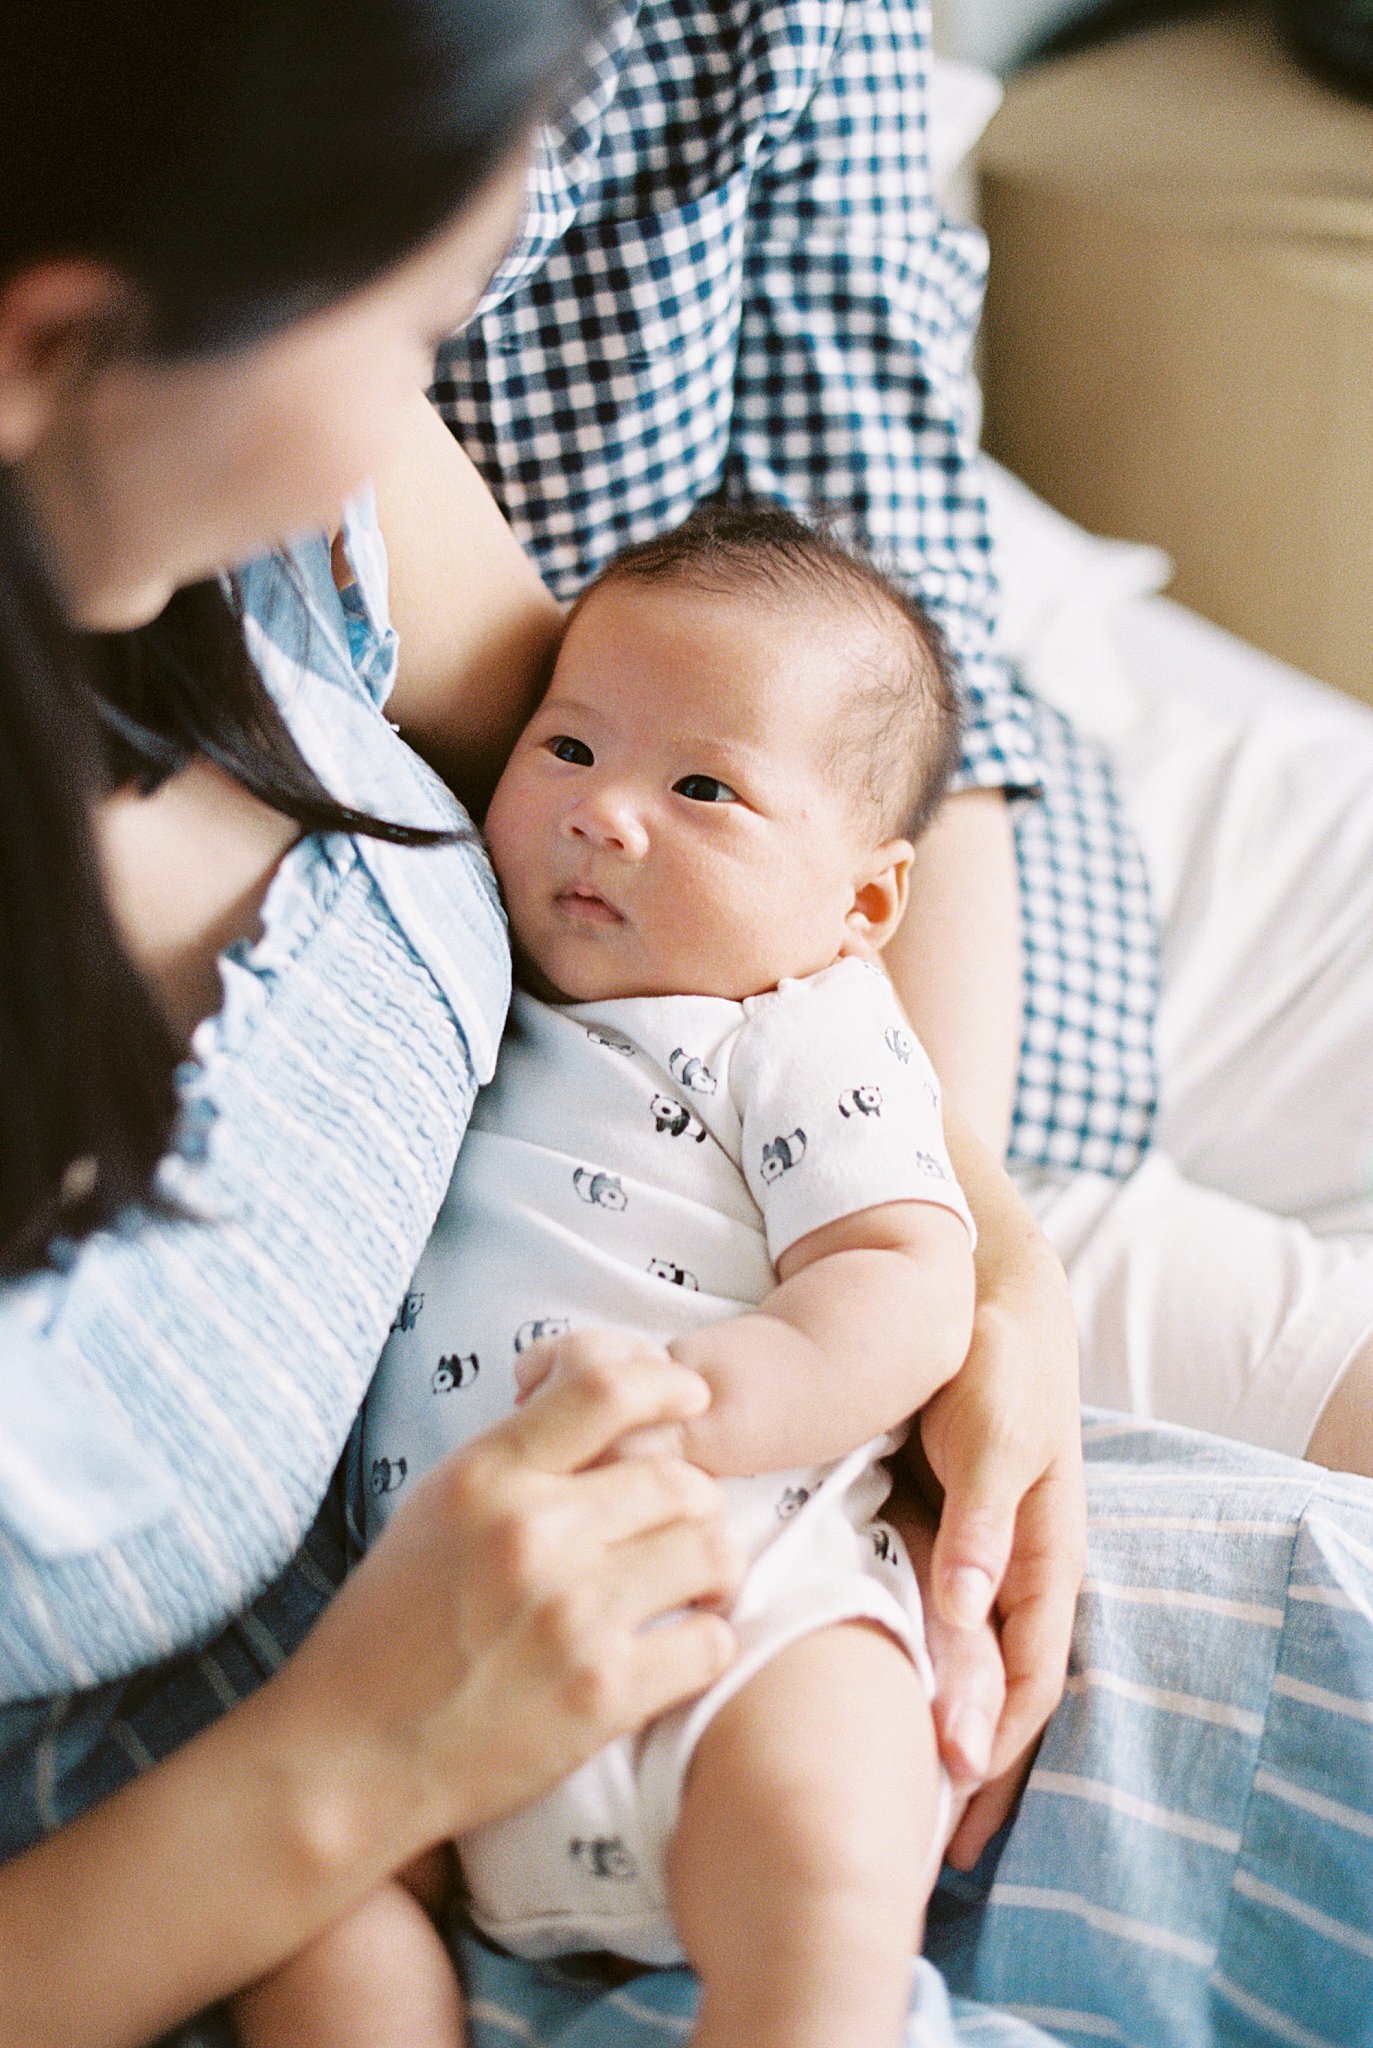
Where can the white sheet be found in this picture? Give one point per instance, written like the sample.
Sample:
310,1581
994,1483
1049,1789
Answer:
1252,789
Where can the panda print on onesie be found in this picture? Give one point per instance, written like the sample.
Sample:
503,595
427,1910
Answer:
642,1163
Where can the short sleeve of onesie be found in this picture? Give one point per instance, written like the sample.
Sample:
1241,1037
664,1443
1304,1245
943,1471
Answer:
838,1105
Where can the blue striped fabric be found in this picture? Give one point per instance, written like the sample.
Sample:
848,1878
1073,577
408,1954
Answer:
518,2005
1192,1863
228,1349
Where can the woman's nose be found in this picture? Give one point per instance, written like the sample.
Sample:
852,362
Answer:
609,818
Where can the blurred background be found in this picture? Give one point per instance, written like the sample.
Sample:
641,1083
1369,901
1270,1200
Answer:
1178,343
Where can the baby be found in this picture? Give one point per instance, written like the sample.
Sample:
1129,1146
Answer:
710,1129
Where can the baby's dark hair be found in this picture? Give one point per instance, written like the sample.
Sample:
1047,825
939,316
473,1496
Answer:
898,741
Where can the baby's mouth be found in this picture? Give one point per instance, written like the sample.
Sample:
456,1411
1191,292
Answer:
584,906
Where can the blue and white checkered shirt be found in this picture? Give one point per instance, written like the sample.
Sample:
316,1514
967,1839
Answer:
733,276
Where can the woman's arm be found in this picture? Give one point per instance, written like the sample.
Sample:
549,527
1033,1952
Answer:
955,958
478,629
1002,1440
490,1643
1002,1444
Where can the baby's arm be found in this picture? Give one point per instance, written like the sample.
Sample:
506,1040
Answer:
871,1315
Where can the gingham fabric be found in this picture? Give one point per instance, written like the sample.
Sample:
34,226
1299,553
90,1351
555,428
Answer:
1087,1084
733,277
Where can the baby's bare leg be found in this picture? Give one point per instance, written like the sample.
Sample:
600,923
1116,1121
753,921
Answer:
381,1978
804,1852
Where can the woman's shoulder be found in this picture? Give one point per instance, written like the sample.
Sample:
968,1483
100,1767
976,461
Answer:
320,607
328,656
198,1370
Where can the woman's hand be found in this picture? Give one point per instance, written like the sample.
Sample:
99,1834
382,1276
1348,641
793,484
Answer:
1001,1451
967,1661
490,1642
495,1637
1002,1457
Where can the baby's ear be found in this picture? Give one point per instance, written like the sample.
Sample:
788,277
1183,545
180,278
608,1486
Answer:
879,897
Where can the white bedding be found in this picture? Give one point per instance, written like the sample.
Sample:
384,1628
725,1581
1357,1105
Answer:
1251,787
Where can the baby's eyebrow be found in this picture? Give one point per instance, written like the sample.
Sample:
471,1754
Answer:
719,747
750,769
563,707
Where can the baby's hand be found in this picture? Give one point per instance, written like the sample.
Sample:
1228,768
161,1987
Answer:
599,1351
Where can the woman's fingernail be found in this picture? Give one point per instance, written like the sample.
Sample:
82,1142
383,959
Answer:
969,1731
969,1594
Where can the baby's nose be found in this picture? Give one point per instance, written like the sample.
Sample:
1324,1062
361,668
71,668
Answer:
609,818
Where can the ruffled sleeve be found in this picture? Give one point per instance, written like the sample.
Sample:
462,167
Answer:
176,1399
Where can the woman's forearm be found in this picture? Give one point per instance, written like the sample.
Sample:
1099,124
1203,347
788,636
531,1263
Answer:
955,959
1013,1256
193,1880
478,629
492,1640
1003,1443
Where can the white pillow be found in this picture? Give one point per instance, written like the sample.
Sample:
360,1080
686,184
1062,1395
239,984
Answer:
963,98
1003,33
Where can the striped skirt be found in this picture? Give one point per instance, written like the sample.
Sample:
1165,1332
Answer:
1192,1863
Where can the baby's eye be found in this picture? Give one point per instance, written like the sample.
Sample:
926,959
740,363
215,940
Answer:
705,789
565,748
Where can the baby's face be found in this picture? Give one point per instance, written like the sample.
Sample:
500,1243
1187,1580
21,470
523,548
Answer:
666,825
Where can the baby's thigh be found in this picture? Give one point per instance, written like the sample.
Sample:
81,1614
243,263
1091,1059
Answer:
818,1780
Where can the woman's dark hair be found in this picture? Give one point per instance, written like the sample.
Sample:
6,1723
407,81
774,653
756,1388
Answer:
241,163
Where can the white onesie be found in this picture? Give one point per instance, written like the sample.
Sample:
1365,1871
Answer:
643,1163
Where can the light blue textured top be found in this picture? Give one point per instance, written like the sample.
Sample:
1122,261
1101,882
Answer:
173,1403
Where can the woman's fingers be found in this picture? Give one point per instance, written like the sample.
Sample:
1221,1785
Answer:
670,1568
532,1368
1003,1443
593,1615
536,1597
970,1678
503,1628
1037,1605
635,1495
989,1808
602,1385
601,1637
983,1465
679,1660
971,1682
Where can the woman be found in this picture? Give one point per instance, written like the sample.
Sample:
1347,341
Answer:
191,260
152,436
